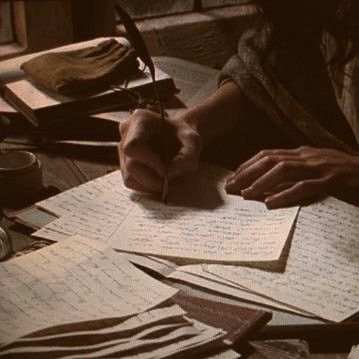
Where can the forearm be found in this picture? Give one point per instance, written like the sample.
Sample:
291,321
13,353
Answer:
218,114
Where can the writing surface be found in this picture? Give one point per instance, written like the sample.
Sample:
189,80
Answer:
160,332
195,274
236,231
354,353
72,281
75,198
200,221
322,272
97,219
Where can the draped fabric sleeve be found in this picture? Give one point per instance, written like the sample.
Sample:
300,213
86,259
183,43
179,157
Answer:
261,86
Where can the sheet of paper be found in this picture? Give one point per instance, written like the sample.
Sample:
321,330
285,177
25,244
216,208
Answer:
194,274
322,272
72,281
153,323
155,316
75,198
131,342
50,234
200,221
179,340
163,268
157,341
97,208
354,353
96,220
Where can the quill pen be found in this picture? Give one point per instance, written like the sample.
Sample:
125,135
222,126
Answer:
140,47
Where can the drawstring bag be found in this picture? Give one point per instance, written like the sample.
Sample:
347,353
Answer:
83,70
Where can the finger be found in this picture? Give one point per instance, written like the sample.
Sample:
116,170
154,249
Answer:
301,193
279,188
187,159
244,178
128,181
121,156
144,154
131,183
123,127
142,125
145,177
137,141
268,153
281,172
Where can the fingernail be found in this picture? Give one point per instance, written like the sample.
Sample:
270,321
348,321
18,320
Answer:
269,202
247,192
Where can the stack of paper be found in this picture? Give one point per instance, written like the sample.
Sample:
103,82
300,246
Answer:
322,271
80,299
315,273
72,281
320,276
200,222
157,333
354,353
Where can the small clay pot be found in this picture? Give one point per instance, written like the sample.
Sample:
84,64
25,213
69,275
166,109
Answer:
20,178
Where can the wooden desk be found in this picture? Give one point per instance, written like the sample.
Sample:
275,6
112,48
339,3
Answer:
65,171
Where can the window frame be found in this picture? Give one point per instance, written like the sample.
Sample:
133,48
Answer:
196,7
67,21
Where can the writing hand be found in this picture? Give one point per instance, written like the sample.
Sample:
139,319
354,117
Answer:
284,178
141,164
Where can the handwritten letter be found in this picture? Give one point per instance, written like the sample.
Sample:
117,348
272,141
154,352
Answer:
72,281
322,272
237,231
200,221
75,198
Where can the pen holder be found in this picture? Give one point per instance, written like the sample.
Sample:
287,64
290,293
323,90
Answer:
20,178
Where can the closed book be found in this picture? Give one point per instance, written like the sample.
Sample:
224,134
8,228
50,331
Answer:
42,106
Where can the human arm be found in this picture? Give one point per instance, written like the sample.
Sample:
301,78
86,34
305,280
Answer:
283,178
141,165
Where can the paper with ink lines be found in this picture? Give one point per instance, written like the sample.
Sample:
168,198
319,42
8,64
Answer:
200,221
322,270
157,333
72,281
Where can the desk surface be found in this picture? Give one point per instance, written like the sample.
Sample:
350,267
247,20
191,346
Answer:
65,171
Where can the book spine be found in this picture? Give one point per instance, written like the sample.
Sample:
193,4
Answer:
23,109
